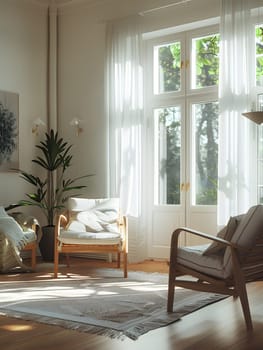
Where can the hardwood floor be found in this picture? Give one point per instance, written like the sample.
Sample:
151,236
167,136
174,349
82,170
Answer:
217,326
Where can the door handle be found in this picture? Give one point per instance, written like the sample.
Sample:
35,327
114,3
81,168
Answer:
187,186
182,187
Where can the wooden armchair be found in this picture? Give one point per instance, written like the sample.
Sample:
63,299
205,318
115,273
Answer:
91,226
32,248
234,258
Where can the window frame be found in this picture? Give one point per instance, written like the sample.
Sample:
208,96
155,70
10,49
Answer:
184,97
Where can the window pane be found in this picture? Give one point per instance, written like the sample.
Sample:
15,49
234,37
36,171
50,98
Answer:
205,61
205,121
259,55
168,155
167,68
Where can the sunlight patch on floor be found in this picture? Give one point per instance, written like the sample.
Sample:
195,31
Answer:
17,327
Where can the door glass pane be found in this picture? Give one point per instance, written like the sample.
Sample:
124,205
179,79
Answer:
205,136
167,68
167,155
259,55
205,61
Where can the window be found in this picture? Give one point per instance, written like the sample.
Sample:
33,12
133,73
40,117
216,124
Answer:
167,68
184,101
168,152
259,54
184,98
205,61
205,117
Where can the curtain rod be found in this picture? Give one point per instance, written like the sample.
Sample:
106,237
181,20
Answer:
163,7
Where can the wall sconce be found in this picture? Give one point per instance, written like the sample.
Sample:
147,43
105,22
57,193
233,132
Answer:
36,125
76,124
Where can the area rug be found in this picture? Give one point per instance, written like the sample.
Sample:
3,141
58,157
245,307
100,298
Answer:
103,303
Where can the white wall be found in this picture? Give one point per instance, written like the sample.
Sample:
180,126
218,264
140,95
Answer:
23,39
81,95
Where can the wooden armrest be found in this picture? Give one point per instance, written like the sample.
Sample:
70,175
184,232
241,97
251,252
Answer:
175,234
61,221
123,229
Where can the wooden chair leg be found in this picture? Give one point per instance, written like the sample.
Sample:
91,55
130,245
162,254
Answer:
240,287
56,261
245,308
125,264
33,256
171,286
118,260
242,293
67,260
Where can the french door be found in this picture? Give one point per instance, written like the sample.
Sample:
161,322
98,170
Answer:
182,148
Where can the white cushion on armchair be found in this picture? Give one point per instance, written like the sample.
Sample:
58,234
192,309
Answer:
93,221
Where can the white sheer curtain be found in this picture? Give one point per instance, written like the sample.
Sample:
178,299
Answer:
237,136
125,104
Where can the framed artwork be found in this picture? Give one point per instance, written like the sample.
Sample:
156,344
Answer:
9,114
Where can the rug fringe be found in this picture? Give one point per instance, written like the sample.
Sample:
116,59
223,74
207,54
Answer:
85,328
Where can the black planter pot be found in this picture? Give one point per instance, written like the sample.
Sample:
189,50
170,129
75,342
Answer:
46,244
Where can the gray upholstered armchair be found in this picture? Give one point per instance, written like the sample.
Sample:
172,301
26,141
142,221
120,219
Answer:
234,257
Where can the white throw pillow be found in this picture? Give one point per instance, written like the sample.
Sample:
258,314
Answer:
77,226
110,204
109,216
90,220
111,228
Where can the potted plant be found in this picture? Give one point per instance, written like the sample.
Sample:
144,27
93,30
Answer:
53,190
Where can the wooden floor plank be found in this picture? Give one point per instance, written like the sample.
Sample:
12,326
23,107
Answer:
217,326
